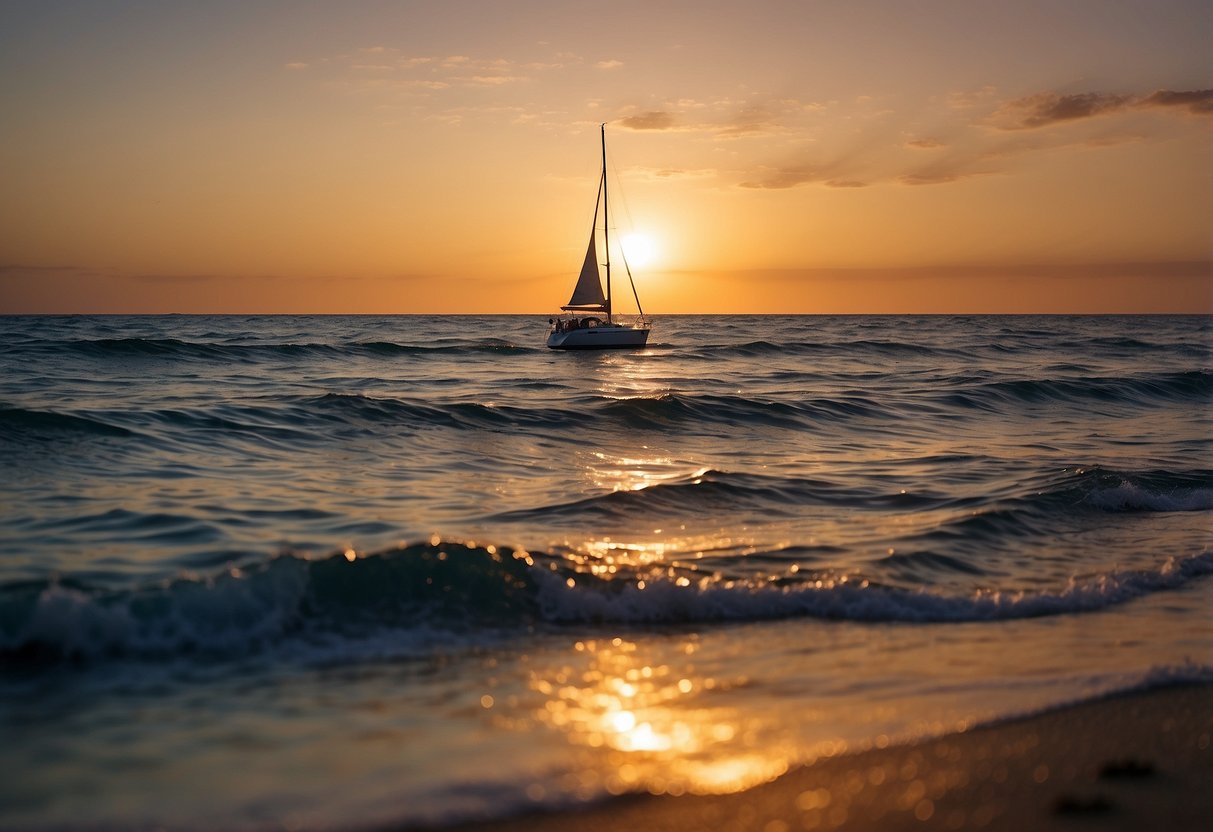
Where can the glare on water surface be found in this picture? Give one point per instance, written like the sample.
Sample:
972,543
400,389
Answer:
656,725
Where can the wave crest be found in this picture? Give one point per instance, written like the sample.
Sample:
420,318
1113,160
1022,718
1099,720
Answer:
461,588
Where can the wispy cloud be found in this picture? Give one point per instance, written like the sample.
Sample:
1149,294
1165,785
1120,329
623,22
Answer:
659,174
385,67
725,118
1045,108
1048,108
1198,102
939,177
755,118
789,177
653,120
984,137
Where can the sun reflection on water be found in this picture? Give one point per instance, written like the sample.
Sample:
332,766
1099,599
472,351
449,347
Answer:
655,728
644,716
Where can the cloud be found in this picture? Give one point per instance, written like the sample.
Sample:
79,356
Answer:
1047,108
724,118
384,69
611,64
929,178
955,148
653,120
492,80
878,166
1199,102
783,178
666,174
753,119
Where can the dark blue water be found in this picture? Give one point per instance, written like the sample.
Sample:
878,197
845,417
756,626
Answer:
286,570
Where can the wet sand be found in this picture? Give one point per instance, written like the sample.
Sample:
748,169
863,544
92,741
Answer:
1132,762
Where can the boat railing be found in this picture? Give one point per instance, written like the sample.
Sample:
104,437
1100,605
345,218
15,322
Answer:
632,320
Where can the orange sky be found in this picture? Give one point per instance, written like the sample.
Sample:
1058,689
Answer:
386,157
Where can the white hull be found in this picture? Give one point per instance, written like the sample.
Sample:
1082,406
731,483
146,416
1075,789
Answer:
606,336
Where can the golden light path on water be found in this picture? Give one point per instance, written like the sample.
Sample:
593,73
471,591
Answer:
654,725
645,714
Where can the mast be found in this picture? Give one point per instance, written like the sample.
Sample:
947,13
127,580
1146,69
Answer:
606,223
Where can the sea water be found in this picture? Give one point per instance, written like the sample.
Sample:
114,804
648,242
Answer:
344,572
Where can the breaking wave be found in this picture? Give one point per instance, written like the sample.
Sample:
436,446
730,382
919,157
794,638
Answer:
467,590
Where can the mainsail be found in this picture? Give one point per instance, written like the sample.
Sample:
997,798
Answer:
587,294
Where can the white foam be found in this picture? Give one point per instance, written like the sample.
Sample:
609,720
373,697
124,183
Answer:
232,613
664,599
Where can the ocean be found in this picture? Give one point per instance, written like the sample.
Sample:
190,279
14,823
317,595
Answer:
292,572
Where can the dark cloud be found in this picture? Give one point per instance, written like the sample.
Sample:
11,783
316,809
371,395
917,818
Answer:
845,183
1047,108
926,143
1199,102
654,120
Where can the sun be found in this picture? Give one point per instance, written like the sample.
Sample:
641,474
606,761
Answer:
639,248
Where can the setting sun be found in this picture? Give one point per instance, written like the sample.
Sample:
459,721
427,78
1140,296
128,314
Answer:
640,249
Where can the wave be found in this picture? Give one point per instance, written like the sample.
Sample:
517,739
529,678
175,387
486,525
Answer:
357,408
1129,346
852,409
1191,386
711,490
401,598
860,348
680,600
491,346
175,348
238,611
1116,491
563,416
991,523
19,424
564,412
734,411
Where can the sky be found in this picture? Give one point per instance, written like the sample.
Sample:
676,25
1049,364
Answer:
873,156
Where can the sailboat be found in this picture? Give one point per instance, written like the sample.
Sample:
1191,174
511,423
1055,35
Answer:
590,323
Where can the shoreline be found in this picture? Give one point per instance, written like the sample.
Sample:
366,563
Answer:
1137,760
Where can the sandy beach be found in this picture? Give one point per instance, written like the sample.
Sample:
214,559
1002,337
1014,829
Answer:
1132,762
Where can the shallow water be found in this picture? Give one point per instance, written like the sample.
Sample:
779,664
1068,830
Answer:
318,571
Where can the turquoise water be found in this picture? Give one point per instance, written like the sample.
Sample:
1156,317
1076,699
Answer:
316,572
